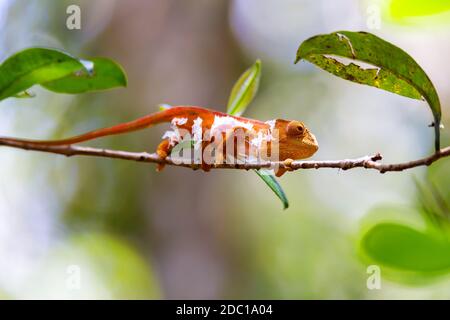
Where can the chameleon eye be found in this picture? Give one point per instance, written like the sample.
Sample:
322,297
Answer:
295,128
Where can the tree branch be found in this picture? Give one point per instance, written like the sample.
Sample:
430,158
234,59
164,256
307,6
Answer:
368,162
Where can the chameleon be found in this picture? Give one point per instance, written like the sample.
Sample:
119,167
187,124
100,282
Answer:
292,138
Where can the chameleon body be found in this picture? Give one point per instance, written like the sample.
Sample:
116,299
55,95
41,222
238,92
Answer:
208,127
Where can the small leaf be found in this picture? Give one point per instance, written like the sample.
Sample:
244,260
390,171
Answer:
244,90
34,66
401,247
273,184
164,106
391,68
99,74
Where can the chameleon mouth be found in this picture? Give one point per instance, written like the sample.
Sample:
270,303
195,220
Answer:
316,144
312,143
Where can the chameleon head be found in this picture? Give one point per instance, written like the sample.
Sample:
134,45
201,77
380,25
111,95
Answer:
297,142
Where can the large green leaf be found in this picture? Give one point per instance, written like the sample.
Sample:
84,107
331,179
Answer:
391,68
244,90
34,66
401,247
105,74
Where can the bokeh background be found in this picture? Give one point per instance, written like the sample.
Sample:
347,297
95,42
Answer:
101,228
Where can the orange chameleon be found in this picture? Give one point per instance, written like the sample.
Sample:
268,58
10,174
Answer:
294,140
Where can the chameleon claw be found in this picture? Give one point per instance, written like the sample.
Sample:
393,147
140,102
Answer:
163,149
287,163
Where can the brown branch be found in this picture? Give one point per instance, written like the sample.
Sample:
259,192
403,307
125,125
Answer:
368,162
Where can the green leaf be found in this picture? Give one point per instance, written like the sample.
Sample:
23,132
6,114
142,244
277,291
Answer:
391,68
401,247
244,90
273,184
99,74
34,66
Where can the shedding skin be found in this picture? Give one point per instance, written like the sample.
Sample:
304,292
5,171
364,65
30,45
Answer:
294,140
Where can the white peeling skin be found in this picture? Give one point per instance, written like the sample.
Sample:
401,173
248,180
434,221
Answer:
269,136
173,136
271,124
197,132
222,124
219,126
257,141
179,121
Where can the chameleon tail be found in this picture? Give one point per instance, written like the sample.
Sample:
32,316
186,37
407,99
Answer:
138,124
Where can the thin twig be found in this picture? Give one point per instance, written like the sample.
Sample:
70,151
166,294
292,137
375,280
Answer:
368,162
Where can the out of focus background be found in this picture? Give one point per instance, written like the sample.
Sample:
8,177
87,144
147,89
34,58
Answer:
110,229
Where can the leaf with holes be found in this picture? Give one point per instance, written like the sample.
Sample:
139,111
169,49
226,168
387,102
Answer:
390,68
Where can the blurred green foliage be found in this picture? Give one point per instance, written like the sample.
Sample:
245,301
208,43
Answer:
95,266
209,235
414,8
304,254
419,249
402,247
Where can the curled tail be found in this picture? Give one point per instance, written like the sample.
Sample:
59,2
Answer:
138,124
